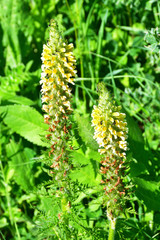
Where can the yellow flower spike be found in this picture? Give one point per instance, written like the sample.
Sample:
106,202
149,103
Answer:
110,133
58,71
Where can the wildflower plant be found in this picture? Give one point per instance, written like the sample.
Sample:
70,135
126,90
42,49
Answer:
58,71
40,192
110,132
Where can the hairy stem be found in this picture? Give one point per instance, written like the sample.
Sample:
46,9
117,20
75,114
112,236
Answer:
112,229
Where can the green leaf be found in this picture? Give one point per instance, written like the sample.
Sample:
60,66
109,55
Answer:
22,163
95,204
3,222
25,121
8,174
96,214
149,192
91,154
49,206
4,95
86,131
79,158
80,198
150,38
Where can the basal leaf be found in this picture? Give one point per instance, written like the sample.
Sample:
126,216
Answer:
25,121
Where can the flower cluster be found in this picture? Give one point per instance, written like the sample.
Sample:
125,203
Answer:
110,133
58,71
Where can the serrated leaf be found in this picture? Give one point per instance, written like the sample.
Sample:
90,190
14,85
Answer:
25,121
86,131
149,192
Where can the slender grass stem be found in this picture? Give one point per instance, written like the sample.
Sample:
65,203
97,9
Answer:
112,229
17,231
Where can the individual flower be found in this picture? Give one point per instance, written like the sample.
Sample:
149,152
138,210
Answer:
110,132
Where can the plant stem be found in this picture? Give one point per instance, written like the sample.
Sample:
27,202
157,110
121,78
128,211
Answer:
112,229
